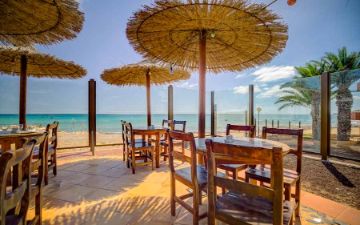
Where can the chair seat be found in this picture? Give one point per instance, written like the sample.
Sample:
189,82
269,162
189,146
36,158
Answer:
251,210
142,144
13,219
263,174
232,167
185,173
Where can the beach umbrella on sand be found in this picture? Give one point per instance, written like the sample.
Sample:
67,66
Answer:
213,35
39,21
26,62
144,73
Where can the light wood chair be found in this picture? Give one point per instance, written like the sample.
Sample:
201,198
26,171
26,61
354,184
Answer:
164,142
291,177
246,203
51,129
38,165
138,150
194,176
14,202
236,168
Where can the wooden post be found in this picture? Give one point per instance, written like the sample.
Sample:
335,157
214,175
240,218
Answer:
251,105
148,98
213,125
325,116
92,115
246,117
23,86
202,84
170,102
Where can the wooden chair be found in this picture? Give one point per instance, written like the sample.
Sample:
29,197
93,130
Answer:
291,177
51,129
164,145
14,202
246,203
236,168
138,150
124,141
38,165
194,176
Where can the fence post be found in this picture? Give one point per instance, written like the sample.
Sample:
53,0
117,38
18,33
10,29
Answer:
325,116
170,102
213,116
251,104
92,115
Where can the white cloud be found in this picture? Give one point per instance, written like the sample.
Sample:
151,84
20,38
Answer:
274,73
186,85
273,91
244,89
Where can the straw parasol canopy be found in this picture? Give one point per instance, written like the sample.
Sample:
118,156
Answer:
27,61
213,35
39,21
144,73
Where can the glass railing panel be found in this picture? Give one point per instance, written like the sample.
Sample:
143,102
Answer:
345,114
295,104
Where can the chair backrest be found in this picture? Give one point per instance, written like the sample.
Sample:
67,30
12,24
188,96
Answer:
173,154
288,132
52,129
245,128
246,155
123,131
39,163
167,124
129,137
179,125
17,197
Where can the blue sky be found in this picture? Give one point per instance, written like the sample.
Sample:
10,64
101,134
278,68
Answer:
315,27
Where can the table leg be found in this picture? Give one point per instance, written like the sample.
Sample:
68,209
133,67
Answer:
157,149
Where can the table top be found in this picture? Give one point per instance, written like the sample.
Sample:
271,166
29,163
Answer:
19,134
243,141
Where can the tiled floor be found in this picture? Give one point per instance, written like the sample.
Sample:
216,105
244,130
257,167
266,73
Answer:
101,190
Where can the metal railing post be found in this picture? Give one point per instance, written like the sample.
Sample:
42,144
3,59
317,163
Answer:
92,114
325,116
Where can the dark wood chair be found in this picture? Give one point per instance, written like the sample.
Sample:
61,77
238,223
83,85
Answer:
51,129
194,176
246,203
291,177
236,168
138,150
14,202
38,165
123,122
164,144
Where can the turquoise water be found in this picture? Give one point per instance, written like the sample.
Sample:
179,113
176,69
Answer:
111,122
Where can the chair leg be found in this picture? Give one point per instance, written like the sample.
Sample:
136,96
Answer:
195,207
55,164
200,197
38,207
172,194
123,152
152,158
234,174
287,192
46,172
165,151
297,197
133,161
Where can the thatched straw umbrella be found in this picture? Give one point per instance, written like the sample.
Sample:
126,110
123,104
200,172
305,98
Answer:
38,21
143,74
214,35
26,62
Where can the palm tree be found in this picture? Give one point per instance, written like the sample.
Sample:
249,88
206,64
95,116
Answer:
343,63
304,91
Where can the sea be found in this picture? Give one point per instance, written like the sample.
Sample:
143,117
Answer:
110,123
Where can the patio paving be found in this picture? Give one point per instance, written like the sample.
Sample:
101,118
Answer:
101,190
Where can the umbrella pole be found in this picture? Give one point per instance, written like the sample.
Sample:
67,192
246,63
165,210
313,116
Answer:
202,83
148,98
23,81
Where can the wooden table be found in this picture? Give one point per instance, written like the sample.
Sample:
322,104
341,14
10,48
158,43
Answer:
243,141
150,132
15,138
